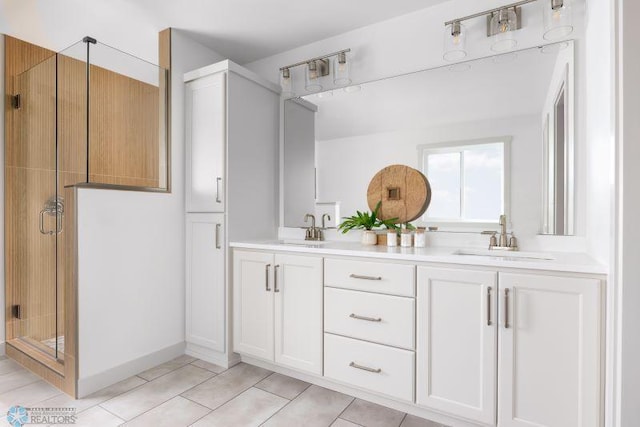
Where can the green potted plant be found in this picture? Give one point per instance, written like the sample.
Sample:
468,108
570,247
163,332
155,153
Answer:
367,222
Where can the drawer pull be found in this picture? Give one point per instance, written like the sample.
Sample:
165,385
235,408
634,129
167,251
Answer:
365,368
266,277
506,308
357,276
368,319
489,306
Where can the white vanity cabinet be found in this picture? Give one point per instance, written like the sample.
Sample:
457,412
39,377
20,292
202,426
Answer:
231,146
369,325
205,281
457,342
530,340
278,308
550,345
205,134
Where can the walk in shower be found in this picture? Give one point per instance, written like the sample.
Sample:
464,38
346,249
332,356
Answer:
90,115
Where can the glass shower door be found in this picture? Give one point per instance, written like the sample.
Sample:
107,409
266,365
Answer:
34,215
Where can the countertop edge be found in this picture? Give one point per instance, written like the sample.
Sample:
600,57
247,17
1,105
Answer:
408,254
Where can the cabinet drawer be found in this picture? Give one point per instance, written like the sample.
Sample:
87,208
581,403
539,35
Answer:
384,319
373,367
385,278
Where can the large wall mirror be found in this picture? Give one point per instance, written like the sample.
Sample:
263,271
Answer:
493,136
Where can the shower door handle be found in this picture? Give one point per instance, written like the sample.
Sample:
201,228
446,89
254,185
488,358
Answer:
59,223
42,230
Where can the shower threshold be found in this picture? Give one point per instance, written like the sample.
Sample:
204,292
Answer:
39,352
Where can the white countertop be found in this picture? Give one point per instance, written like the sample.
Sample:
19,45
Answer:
555,261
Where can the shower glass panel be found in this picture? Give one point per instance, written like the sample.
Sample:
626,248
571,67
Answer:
34,216
127,120
90,114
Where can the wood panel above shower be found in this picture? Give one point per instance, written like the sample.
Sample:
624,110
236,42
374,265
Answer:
124,119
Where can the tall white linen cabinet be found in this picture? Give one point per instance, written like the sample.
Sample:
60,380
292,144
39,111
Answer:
232,140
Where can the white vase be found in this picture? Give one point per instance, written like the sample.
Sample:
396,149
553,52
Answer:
369,238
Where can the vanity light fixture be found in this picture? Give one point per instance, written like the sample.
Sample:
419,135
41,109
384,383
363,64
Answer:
454,41
312,74
315,69
286,83
341,70
558,19
502,25
502,22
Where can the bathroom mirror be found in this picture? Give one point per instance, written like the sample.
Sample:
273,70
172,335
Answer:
335,141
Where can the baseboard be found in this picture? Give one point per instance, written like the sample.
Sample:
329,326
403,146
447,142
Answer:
221,359
361,394
111,376
3,352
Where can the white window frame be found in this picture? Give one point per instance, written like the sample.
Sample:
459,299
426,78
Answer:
458,146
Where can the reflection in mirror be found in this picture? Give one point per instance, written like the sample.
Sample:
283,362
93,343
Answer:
395,120
468,178
558,192
300,174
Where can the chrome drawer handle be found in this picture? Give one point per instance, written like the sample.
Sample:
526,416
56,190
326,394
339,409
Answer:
365,368
357,276
275,278
506,308
489,306
266,277
368,319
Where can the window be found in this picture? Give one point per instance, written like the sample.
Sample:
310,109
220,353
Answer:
468,180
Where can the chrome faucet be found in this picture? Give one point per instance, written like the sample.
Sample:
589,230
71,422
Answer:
312,233
502,242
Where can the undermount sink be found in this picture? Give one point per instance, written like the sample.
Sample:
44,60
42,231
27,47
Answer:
307,243
507,255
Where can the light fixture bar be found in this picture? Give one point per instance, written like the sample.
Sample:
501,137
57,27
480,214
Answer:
319,58
490,11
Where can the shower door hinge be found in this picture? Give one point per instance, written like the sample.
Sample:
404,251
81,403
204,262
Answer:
16,101
16,312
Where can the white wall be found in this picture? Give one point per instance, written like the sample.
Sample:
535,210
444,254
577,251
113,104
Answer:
599,131
628,215
2,303
409,42
131,255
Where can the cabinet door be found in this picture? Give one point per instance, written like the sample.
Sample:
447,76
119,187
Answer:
298,312
205,134
253,304
549,351
456,342
205,281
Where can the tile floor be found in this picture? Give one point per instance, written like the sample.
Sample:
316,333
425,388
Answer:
190,392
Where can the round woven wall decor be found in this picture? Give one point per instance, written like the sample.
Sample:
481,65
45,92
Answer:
405,193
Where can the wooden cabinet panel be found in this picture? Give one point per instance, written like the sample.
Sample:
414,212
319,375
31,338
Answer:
205,132
253,331
457,342
384,319
370,276
549,351
205,280
374,367
298,312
